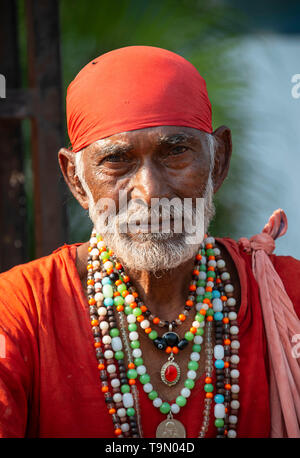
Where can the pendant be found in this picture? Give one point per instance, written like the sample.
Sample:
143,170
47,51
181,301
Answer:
170,372
170,428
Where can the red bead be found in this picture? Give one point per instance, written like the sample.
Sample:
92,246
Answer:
171,373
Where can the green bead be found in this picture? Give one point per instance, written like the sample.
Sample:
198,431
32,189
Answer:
135,344
132,327
130,411
200,317
189,383
180,401
208,295
200,332
114,332
152,335
125,388
210,252
193,365
202,268
152,395
210,312
165,408
137,311
196,348
132,373
208,387
104,255
107,291
128,310
199,298
201,283
212,274
219,423
118,300
121,288
138,361
189,336
119,354
145,378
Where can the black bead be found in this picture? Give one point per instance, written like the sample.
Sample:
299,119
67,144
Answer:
171,339
219,384
114,276
109,400
220,430
160,343
147,313
124,381
182,344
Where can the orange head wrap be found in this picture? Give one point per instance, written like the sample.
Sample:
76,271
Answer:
132,88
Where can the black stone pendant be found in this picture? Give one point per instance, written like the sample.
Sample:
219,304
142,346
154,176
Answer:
182,344
160,343
171,338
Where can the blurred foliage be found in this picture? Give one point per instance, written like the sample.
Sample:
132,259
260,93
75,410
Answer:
204,33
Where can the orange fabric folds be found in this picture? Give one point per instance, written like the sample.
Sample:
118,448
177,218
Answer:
134,88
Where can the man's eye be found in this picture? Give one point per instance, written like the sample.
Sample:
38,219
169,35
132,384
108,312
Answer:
179,150
116,157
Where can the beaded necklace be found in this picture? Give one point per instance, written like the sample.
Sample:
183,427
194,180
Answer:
215,306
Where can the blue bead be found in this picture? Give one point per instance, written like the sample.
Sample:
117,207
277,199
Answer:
108,301
219,399
215,294
106,281
218,316
219,363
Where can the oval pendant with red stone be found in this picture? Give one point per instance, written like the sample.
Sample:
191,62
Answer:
170,373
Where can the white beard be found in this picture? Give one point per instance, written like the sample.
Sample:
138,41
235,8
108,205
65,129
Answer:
151,252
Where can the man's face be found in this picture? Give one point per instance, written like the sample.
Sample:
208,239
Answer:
159,162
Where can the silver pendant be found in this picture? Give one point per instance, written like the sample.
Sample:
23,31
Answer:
170,428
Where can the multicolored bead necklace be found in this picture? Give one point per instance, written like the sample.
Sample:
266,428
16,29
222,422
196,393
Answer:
109,289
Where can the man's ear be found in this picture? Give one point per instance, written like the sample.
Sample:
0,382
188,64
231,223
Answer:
223,150
66,161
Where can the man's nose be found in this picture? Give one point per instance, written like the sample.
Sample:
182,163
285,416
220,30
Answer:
149,183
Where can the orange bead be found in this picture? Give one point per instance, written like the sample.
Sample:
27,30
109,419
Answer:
116,293
118,282
110,252
218,280
118,266
189,303
211,268
223,298
118,431
131,366
209,318
110,270
97,344
90,282
175,350
211,258
226,409
135,294
227,386
148,330
199,257
92,301
90,249
126,279
143,308
209,395
101,367
193,330
226,364
208,246
210,279
227,341
125,293
192,287
156,320
140,318
89,267
133,305
112,411
208,289
102,249
168,350
206,300
182,317
226,320
208,380
94,322
104,389
131,381
196,272
202,312
120,308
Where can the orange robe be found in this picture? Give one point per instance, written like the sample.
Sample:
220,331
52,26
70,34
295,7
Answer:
49,381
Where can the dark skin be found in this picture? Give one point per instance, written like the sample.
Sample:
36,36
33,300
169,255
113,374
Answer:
164,161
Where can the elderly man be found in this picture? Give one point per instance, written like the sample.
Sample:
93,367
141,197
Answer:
142,332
